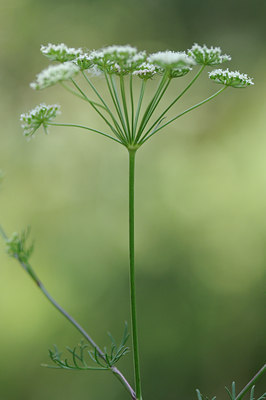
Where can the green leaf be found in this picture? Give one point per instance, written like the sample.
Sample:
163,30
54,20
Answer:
199,396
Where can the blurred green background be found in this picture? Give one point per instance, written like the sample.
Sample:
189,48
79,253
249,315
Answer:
200,199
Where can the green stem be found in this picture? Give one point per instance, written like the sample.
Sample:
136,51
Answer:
80,96
132,105
251,383
155,104
94,89
144,139
132,154
141,95
150,105
105,106
176,99
115,99
115,91
2,232
88,129
96,109
124,102
27,267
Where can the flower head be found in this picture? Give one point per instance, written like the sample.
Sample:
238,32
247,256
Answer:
84,61
117,59
175,63
146,71
207,56
175,59
40,115
136,60
230,78
60,52
118,53
53,74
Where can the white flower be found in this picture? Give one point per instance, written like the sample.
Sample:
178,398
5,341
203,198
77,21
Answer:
117,59
40,115
60,52
113,54
175,63
96,55
174,59
119,51
54,74
230,78
84,61
207,56
138,58
146,71
94,71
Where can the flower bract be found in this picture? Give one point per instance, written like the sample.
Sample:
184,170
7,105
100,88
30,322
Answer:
41,115
230,78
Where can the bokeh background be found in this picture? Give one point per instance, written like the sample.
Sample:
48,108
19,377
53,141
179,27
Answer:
200,208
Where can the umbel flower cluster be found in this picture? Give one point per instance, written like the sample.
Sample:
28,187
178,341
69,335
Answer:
40,115
128,122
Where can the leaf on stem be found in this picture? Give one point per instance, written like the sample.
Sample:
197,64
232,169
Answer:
81,353
232,394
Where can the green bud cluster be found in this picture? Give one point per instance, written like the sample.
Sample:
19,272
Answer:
16,246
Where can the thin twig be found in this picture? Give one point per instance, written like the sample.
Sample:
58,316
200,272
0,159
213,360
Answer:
27,267
251,383
86,128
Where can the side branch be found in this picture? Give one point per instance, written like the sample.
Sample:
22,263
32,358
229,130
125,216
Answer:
79,95
175,100
181,114
27,267
95,108
251,383
105,106
87,128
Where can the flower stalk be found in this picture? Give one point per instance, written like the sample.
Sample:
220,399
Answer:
132,157
251,383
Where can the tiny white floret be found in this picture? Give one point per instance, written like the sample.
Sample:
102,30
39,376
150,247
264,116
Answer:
171,58
119,50
119,60
207,55
40,115
60,52
146,71
230,78
54,74
84,61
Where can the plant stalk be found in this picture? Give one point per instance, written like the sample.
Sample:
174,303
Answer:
251,383
132,154
27,267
